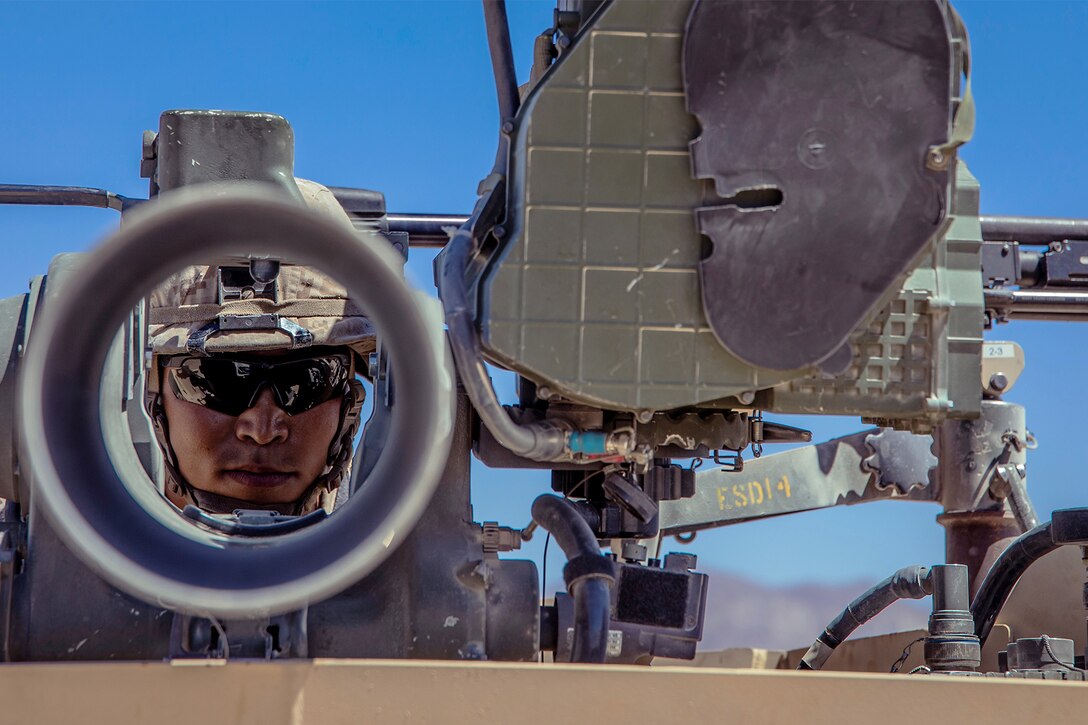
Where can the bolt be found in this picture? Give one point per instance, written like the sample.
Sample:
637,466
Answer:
746,397
644,416
507,127
936,159
998,382
499,231
544,392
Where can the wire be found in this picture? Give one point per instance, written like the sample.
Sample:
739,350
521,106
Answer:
585,479
920,668
544,579
1054,657
903,657
225,643
544,570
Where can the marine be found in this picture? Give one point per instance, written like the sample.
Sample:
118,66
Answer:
253,384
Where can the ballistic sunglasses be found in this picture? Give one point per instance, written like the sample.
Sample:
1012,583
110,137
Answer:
231,385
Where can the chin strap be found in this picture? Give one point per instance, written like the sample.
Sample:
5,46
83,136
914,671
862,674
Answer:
320,494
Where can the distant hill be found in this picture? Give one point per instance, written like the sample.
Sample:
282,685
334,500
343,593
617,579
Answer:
744,613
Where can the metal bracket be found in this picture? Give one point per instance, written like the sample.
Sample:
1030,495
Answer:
300,336
803,479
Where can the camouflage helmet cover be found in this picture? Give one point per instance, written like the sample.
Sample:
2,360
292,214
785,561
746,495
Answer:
191,301
300,297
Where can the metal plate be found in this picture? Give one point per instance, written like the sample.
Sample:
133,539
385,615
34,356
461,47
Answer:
352,691
835,105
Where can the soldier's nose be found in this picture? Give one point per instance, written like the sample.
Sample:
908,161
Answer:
264,422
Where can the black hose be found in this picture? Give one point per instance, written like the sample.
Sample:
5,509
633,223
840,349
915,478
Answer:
1003,575
589,575
540,441
912,582
592,607
502,58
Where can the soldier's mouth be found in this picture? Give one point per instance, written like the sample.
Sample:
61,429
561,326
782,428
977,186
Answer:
259,479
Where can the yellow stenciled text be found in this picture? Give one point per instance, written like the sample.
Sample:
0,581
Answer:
752,493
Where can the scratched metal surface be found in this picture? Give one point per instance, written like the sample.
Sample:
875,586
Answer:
595,289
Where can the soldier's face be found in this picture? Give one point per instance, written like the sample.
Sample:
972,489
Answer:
262,455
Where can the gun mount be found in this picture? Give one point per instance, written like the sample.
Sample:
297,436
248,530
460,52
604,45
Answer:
634,258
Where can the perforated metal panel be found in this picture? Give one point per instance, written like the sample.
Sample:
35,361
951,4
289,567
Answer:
594,290
914,363
598,290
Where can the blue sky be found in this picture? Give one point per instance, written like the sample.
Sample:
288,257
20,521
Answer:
398,97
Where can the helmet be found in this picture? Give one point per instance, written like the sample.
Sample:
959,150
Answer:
256,306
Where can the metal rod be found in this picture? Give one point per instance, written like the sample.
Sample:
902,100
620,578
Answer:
64,196
1039,304
1032,230
426,230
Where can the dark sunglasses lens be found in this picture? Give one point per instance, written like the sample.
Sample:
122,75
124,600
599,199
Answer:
226,386
231,386
304,384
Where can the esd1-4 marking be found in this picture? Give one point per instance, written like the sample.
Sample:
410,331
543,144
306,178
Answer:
753,493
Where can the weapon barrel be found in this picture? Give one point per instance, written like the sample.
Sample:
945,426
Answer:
1039,304
1032,230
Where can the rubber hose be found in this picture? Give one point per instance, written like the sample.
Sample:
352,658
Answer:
1003,575
502,58
592,595
910,582
540,441
592,604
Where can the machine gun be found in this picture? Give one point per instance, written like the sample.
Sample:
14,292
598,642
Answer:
647,282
